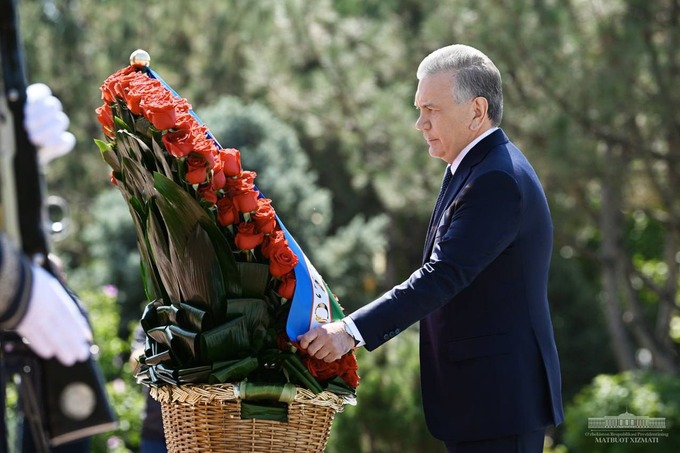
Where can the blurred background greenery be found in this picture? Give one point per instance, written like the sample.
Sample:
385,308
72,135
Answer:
318,96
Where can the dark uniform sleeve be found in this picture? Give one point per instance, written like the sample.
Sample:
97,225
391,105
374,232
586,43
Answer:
15,285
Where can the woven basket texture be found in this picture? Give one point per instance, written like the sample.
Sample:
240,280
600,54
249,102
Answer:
207,418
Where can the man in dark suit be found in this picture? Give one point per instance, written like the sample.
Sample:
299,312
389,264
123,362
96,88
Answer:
489,366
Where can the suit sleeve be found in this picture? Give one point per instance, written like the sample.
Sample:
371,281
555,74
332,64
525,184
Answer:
482,221
15,285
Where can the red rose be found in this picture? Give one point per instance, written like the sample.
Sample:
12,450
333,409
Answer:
105,117
195,175
273,242
282,261
197,168
246,201
207,148
186,123
231,161
182,106
199,130
107,95
178,144
226,212
248,177
234,186
218,178
247,238
159,109
121,86
107,88
206,193
321,370
347,369
265,217
139,89
351,378
286,287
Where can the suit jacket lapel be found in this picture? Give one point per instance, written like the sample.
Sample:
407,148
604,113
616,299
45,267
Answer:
461,175
451,191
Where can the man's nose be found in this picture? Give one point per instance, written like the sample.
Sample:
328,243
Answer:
422,123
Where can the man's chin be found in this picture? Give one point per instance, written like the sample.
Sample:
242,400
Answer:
435,153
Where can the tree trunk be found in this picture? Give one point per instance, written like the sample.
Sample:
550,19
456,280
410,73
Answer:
610,225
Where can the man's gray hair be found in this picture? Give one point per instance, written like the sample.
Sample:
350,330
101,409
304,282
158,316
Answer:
474,75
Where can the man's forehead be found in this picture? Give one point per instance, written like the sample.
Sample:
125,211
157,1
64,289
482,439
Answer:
432,88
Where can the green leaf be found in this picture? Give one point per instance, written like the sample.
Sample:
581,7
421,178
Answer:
254,278
180,341
140,208
282,393
161,160
136,180
142,126
255,311
121,111
106,150
339,387
277,412
161,256
197,374
293,365
136,185
150,277
181,210
102,145
257,319
121,124
193,318
227,341
233,370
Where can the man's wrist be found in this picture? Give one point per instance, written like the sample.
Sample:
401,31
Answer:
348,331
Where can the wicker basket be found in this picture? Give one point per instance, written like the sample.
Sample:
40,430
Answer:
207,418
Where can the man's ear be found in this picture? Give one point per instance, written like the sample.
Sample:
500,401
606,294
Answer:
480,108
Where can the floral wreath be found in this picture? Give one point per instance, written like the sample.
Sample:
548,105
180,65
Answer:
216,263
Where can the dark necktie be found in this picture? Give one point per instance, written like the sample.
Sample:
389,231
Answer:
442,191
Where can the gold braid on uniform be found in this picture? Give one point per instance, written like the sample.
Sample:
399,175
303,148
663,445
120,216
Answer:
15,285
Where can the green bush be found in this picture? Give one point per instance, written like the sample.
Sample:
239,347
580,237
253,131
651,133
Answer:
639,393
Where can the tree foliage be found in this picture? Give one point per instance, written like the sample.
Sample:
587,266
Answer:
603,78
629,393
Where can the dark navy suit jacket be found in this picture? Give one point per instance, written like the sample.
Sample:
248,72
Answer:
489,364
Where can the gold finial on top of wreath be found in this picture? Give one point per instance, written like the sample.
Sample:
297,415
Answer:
140,58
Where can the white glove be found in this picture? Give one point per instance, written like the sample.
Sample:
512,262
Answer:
53,325
46,123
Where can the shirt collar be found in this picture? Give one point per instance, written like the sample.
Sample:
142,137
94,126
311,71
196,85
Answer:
459,158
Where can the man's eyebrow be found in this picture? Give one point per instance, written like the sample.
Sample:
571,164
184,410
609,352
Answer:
426,104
